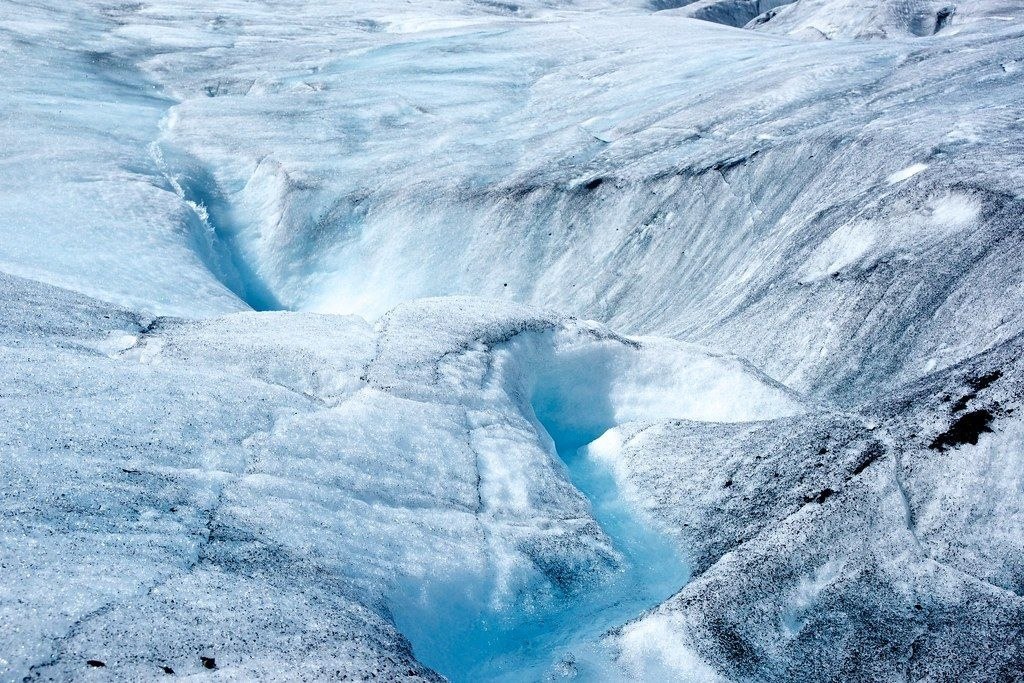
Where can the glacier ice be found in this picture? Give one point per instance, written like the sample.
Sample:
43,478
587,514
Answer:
301,373
410,467
845,518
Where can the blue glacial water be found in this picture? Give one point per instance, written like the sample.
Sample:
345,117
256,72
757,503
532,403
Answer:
468,643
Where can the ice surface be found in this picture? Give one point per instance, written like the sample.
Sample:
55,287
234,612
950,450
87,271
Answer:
300,380
802,527
616,163
188,465
81,201
878,19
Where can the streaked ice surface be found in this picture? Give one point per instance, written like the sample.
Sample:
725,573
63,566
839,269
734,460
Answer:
352,475
659,173
294,385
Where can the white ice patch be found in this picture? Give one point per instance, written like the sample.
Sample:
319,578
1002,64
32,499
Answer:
603,128
655,648
908,172
954,211
424,24
114,343
805,595
606,450
148,352
899,232
844,247
606,447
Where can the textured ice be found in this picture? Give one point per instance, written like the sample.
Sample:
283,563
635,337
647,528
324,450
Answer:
346,475
897,517
621,164
878,19
301,378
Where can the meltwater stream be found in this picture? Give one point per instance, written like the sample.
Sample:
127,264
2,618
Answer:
561,641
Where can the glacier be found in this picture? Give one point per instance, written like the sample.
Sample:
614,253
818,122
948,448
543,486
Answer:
516,341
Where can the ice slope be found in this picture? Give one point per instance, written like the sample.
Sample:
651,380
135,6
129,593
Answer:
877,19
276,491
847,19
734,12
890,536
82,202
662,174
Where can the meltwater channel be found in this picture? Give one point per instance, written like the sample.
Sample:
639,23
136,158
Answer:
528,646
